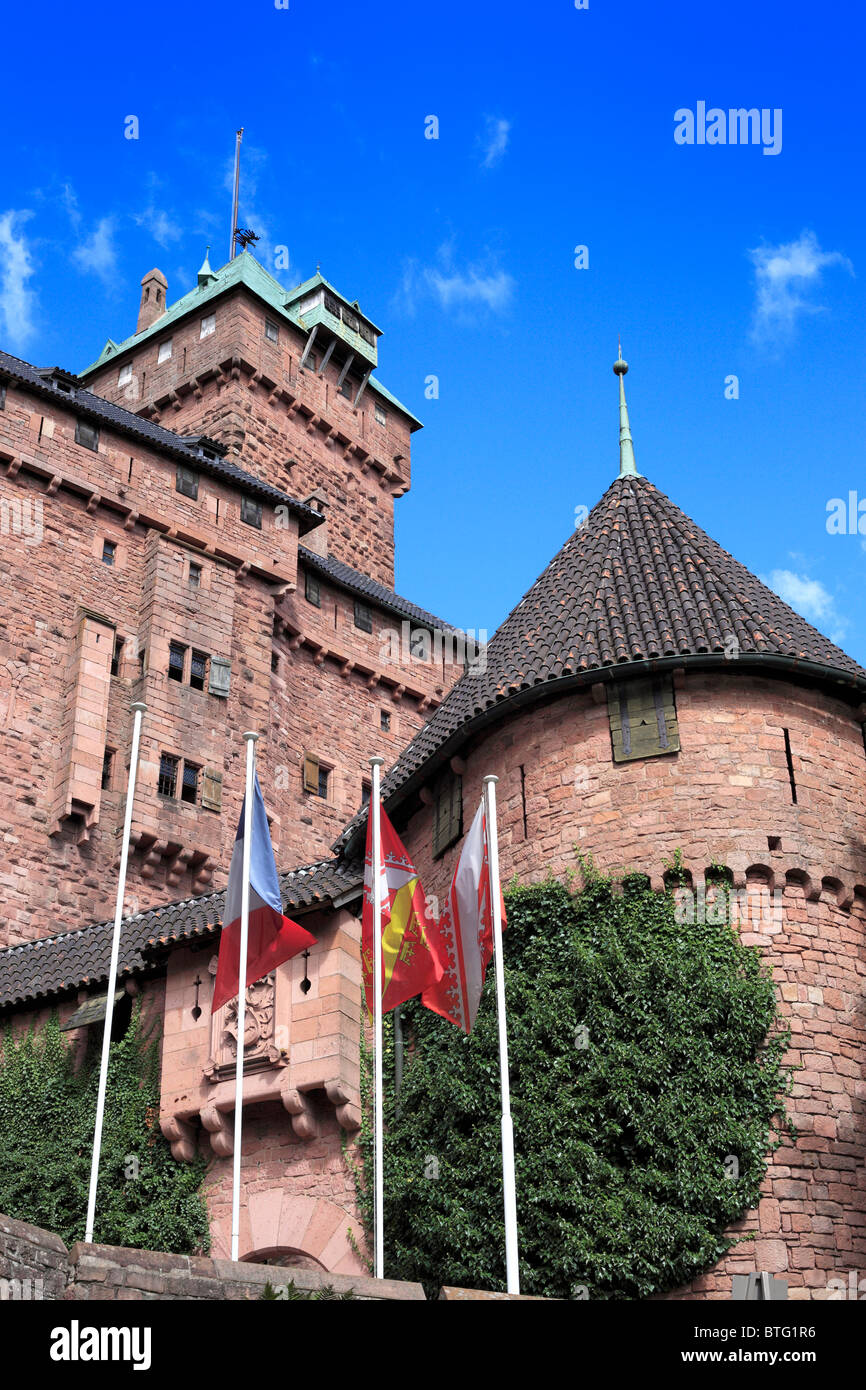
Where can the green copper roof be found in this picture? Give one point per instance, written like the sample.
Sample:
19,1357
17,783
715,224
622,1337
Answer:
243,270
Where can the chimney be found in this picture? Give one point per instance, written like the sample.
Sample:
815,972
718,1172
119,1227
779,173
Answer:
317,539
152,307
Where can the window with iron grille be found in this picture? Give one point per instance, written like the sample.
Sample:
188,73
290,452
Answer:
251,512
189,783
198,670
187,481
347,388
385,721
176,659
167,784
312,589
363,617
381,417
164,351
194,576
109,550
272,332
86,434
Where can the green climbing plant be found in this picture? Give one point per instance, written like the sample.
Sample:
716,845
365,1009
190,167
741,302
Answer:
648,1086
146,1199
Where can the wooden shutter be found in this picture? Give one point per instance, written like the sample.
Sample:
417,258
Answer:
447,813
311,774
643,719
212,789
220,676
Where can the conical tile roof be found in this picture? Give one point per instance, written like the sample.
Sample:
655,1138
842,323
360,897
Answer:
638,585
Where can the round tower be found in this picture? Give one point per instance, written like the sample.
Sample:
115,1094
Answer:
650,695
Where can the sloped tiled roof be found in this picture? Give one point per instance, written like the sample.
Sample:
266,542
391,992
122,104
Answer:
64,387
639,585
357,583
244,269
57,963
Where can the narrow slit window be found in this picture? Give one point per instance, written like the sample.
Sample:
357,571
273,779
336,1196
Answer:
790,762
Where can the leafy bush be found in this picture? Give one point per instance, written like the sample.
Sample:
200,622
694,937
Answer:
646,1069
146,1199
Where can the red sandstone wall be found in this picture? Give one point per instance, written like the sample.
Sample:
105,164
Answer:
291,428
325,698
722,798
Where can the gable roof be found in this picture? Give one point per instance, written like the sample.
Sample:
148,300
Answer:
347,578
243,270
638,587
205,455
52,965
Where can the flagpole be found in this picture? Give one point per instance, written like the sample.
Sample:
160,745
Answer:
139,709
251,740
512,1272
378,1179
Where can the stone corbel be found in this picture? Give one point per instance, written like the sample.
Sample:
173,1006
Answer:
93,502
180,1135
13,467
297,1104
346,1103
129,523
219,1129
53,485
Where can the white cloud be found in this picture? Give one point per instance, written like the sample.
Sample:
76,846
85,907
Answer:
70,203
97,254
494,141
159,225
785,276
809,597
455,288
17,302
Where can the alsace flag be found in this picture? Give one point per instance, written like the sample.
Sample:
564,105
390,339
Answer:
463,938
272,938
408,963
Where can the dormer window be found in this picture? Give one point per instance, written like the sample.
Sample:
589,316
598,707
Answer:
164,351
208,326
124,376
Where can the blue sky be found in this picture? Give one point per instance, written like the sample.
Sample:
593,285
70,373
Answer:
556,130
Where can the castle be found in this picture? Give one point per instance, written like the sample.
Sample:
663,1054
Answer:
203,520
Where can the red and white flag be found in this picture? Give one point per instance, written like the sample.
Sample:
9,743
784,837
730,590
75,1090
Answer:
408,961
272,938
463,936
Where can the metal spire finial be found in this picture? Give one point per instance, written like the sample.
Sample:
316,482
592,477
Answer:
627,465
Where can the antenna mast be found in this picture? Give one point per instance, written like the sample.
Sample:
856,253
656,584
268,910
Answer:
238,139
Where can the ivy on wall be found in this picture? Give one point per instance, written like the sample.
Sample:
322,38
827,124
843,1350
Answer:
146,1200
647,1083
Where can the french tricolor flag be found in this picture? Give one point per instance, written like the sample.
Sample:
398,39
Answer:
272,937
